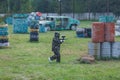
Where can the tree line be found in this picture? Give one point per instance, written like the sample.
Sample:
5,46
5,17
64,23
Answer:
66,6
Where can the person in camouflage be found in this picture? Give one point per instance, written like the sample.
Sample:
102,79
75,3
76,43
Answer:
56,42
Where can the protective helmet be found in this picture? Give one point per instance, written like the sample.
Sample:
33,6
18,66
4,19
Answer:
57,34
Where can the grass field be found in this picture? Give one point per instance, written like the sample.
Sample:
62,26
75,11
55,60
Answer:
29,61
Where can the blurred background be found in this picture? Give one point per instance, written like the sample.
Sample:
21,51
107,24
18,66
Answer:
79,9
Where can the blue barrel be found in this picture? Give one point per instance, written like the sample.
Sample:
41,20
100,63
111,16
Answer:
34,30
42,28
106,19
3,31
102,19
20,23
9,20
4,36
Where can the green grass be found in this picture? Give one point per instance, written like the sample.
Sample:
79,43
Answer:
85,24
29,61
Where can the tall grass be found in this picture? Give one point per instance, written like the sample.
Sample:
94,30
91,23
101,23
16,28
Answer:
29,61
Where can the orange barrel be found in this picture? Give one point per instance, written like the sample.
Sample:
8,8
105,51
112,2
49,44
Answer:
98,32
109,32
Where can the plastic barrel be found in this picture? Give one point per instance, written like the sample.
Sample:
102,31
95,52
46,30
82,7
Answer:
20,24
4,36
109,19
9,20
102,19
106,19
34,30
42,28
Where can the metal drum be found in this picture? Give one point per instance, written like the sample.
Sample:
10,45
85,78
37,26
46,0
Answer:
109,32
80,32
106,50
88,32
97,32
116,50
34,36
94,49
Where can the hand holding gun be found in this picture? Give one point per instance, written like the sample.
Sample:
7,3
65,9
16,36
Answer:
62,39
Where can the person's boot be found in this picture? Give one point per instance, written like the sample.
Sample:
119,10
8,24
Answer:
58,59
49,59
